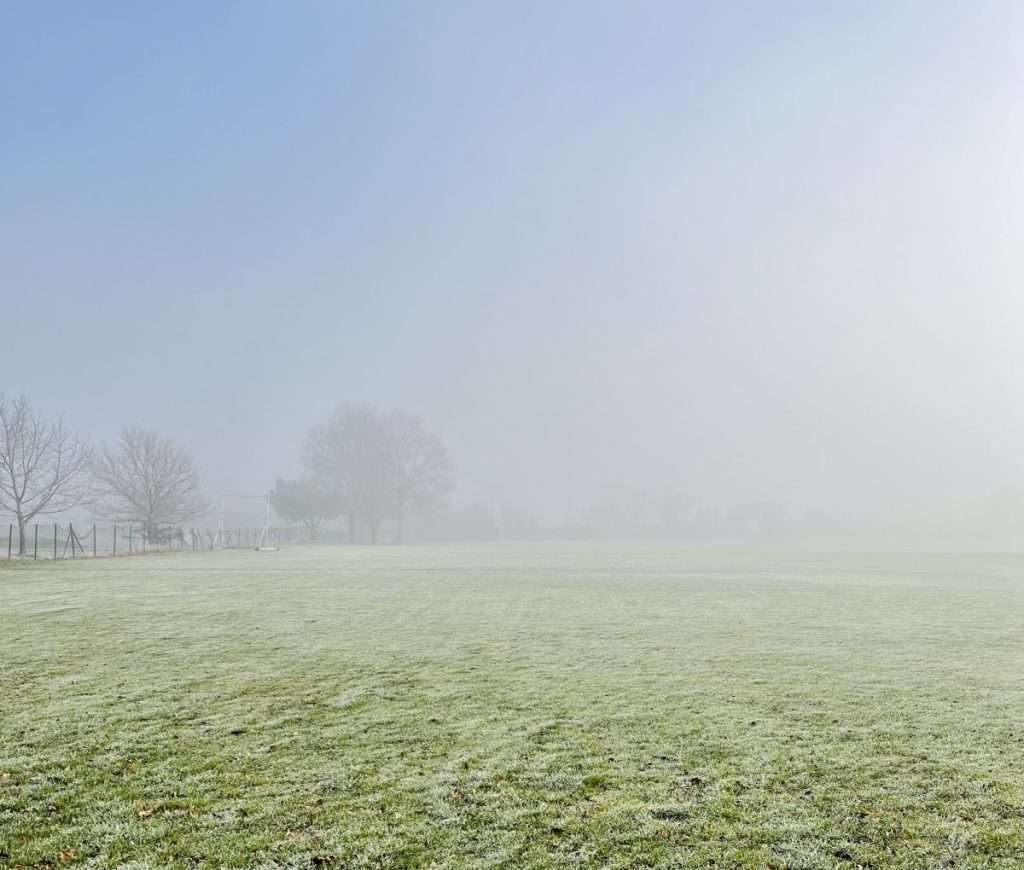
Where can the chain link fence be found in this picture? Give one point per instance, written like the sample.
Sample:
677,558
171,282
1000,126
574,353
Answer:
58,541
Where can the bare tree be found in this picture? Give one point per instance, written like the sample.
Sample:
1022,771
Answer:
147,478
377,465
347,456
43,465
420,468
325,458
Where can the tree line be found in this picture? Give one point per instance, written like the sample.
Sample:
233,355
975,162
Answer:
361,464
47,468
366,466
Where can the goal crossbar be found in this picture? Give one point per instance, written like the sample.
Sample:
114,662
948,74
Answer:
265,543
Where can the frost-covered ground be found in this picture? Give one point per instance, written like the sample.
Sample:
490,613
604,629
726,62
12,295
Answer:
516,706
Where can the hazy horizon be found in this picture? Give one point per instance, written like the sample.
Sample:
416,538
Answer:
754,253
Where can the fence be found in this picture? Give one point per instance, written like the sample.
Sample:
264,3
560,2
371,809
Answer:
56,541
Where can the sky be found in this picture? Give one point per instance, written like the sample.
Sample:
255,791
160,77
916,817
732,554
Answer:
752,251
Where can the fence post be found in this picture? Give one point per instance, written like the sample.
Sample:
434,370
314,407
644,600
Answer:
94,540
35,547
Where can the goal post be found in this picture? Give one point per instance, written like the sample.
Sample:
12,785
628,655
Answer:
245,522
265,543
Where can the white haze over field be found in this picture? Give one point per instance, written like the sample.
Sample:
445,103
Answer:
752,254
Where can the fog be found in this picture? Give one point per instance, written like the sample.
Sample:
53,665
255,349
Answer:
750,253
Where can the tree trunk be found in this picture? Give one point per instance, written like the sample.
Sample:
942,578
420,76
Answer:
22,548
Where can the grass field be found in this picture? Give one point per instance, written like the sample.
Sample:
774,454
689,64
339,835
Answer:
527,706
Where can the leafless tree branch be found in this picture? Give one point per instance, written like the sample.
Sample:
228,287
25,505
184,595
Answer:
147,478
43,465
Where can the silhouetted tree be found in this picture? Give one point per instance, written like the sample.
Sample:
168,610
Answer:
517,523
377,465
347,456
149,478
43,465
672,511
420,469
300,501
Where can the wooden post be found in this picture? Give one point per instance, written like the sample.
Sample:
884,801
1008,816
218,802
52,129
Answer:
131,528
115,539
35,549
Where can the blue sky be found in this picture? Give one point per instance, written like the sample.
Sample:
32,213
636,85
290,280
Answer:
751,250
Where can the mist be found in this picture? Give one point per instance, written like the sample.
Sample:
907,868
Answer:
750,254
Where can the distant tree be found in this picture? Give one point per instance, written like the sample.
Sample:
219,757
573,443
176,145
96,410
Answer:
517,523
347,456
707,521
622,512
325,461
377,465
149,478
472,522
43,466
300,501
672,511
420,468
